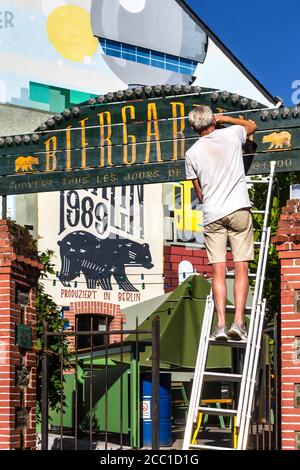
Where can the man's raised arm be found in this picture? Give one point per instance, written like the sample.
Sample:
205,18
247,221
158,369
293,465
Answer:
249,125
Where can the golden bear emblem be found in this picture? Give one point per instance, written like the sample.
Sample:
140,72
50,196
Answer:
25,163
278,140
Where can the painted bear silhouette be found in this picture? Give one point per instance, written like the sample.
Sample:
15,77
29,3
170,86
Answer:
99,260
278,140
25,163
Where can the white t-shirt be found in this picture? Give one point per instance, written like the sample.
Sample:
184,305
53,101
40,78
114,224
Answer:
217,161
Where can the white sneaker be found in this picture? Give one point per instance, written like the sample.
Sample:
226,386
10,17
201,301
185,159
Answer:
237,333
220,334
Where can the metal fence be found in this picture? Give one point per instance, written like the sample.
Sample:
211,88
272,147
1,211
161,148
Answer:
90,400
76,421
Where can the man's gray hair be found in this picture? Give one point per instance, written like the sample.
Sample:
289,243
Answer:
201,118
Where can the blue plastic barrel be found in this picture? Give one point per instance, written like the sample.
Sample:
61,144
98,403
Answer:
165,404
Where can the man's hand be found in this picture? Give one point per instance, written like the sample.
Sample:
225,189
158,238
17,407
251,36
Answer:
220,118
249,125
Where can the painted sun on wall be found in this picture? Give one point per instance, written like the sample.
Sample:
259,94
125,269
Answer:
69,31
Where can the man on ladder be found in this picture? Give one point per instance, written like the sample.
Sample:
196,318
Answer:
215,165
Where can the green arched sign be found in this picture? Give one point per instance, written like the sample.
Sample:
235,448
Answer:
137,136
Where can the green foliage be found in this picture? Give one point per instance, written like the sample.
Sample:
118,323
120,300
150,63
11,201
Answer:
281,194
48,311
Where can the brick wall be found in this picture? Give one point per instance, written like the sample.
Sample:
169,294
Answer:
112,311
287,242
175,254
18,269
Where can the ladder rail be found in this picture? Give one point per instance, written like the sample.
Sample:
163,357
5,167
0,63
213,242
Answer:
200,365
256,290
256,340
248,414
247,370
193,405
254,377
263,274
248,361
249,374
252,327
205,353
257,295
264,247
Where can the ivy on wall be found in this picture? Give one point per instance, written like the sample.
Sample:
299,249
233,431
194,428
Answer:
48,311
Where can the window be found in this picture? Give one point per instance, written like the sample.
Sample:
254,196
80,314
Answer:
297,348
185,270
297,301
65,310
143,56
297,440
297,396
148,57
87,322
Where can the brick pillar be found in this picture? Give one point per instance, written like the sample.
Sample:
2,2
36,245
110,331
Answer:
287,242
19,272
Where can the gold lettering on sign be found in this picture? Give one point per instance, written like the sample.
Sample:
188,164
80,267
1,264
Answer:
68,148
178,109
128,137
51,147
83,143
105,137
152,131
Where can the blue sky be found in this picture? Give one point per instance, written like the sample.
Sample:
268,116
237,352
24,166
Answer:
264,35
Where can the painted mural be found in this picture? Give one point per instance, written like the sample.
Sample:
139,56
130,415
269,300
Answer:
95,46
100,260
54,54
108,244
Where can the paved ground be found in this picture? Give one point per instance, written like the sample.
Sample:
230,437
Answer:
213,436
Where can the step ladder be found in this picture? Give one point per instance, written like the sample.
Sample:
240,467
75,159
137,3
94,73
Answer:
247,380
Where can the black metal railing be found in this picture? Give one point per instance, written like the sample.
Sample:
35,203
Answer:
100,399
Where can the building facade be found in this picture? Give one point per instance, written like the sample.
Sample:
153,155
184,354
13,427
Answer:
55,54
72,50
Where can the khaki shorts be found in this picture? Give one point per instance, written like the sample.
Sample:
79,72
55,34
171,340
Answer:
238,229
